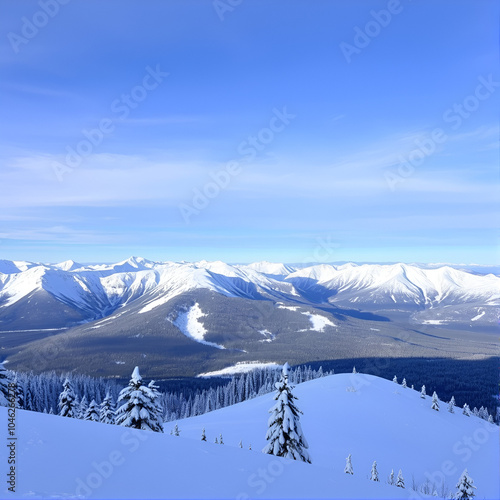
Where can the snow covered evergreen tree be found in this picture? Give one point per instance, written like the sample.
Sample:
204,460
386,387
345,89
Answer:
176,431
465,487
107,412
156,401
92,413
139,409
20,390
348,465
435,402
422,392
404,383
203,437
395,379
391,477
354,370
67,406
82,409
490,419
240,444
374,473
451,405
400,482
466,410
221,440
216,440
5,379
284,436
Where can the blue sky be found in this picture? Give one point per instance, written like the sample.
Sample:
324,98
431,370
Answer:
363,131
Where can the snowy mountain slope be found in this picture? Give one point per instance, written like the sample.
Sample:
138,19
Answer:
398,284
372,419
67,458
96,291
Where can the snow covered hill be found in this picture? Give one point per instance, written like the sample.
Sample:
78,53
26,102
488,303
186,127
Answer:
371,419
368,417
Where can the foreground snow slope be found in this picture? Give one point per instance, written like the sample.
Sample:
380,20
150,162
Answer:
67,458
381,421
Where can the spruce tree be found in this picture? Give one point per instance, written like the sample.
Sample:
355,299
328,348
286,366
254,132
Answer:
216,440
156,400
177,432
92,413
107,412
451,405
404,383
20,389
400,482
391,477
67,406
374,473
483,413
466,410
348,465
490,419
284,436
240,444
354,370
138,410
203,437
395,379
465,487
5,378
422,392
221,440
82,411
435,402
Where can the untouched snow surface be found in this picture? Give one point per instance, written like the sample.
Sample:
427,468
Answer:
372,419
67,458
367,417
189,324
318,321
239,368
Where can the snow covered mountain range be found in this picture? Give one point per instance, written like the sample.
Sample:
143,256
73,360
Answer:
215,314
95,291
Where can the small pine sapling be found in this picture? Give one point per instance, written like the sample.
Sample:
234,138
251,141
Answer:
400,482
348,465
435,402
